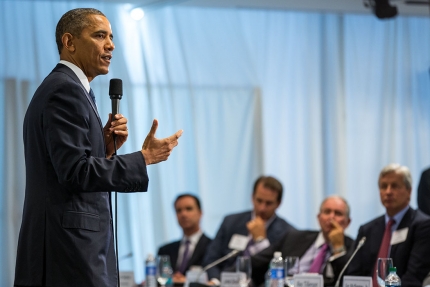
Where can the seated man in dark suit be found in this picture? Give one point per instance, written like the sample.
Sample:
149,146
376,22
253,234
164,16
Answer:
330,241
402,233
423,197
190,250
260,226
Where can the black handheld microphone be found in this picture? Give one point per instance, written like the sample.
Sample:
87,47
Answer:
360,243
115,94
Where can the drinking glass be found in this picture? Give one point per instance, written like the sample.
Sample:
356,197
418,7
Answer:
291,267
382,270
164,269
243,266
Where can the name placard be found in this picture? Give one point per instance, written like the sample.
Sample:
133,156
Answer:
357,281
196,275
126,279
231,279
308,280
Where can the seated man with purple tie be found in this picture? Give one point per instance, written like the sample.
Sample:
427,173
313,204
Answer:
325,252
257,228
402,233
189,251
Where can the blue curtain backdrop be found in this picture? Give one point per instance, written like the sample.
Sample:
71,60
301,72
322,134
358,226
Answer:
320,101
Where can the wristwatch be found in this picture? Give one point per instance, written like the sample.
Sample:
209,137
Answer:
339,249
259,239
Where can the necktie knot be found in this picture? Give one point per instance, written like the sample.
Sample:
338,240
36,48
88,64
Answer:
390,223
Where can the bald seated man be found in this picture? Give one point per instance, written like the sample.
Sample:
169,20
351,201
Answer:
330,240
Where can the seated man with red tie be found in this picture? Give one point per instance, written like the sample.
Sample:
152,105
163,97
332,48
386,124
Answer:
325,252
402,233
189,251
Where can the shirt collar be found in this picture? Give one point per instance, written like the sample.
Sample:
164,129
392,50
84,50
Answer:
79,73
319,241
194,238
398,217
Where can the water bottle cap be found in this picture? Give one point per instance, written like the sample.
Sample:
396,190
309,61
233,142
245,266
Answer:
392,269
277,254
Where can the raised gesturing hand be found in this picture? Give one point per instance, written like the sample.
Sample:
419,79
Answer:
156,150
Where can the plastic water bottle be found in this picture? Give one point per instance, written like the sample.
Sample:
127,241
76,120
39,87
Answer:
393,279
277,270
150,271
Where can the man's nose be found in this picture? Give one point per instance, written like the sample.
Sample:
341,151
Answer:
389,189
110,45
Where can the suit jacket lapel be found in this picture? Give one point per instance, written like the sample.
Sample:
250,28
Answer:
64,69
406,220
300,248
199,250
241,229
174,254
378,233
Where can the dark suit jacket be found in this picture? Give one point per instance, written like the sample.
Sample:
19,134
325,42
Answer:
172,249
424,192
66,234
236,224
411,257
296,243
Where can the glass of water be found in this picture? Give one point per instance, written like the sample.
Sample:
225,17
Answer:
243,266
164,269
382,270
291,267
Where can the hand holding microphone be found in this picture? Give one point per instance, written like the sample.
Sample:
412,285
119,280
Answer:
115,131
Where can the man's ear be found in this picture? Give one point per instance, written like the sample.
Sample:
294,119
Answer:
67,41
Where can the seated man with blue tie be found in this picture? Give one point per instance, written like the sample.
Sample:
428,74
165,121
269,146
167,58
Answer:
325,251
402,233
189,251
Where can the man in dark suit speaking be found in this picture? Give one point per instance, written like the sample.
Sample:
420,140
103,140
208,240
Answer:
402,233
66,237
330,243
189,251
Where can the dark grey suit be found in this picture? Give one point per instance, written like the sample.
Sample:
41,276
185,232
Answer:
66,234
411,257
172,249
423,194
236,224
296,243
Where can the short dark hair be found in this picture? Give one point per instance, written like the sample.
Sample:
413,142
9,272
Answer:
196,199
73,22
271,183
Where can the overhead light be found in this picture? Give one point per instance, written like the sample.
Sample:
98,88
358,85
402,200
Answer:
137,13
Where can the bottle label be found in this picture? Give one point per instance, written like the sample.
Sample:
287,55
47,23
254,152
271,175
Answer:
150,270
277,273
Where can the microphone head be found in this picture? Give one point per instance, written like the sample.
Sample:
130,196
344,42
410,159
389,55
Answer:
115,88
